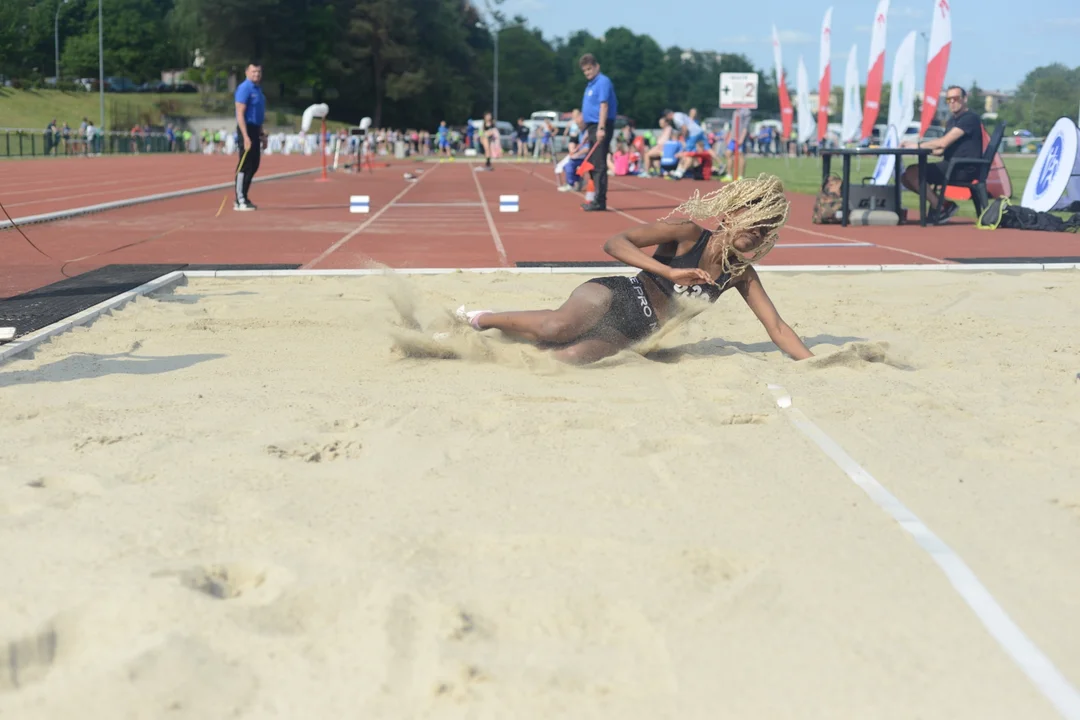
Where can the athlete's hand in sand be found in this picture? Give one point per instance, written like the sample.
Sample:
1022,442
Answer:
689,276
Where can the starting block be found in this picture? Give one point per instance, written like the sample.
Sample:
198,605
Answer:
508,203
359,204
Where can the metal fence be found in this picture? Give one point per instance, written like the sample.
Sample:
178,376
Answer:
23,142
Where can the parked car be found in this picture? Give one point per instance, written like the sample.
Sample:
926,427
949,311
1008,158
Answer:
911,138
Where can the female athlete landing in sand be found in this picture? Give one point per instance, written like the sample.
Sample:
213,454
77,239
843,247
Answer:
607,314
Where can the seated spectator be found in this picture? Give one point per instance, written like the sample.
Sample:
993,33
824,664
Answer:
620,160
566,169
656,152
963,139
696,163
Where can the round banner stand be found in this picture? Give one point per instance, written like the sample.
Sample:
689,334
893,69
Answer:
1054,183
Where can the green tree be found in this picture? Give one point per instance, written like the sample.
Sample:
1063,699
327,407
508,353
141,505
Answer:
1046,94
976,99
136,40
14,20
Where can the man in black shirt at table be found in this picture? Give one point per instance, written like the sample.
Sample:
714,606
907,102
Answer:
963,139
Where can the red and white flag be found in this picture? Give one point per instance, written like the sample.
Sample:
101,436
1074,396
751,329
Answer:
824,76
938,63
786,111
877,70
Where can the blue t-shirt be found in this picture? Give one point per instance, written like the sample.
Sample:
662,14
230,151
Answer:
254,103
597,91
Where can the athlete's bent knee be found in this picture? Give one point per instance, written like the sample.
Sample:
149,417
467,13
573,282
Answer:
557,328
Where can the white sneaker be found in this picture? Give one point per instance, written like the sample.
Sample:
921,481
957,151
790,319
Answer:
243,207
565,188
470,316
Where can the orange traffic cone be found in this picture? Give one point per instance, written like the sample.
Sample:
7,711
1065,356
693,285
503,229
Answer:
590,191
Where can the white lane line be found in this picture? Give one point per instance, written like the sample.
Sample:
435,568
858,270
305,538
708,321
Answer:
612,208
360,228
1039,669
883,247
816,233
128,202
441,204
491,222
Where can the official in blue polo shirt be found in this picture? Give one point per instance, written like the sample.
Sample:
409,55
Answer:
598,109
250,113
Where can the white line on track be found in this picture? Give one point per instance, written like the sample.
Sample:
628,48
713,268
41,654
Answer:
128,202
815,233
491,222
442,204
360,228
796,228
612,208
1031,660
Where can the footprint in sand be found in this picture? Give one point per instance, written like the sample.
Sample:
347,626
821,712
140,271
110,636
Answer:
317,452
338,426
26,660
415,629
253,583
65,488
96,441
1071,505
186,678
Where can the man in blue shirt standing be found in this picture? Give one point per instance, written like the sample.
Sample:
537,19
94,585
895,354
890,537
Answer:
598,109
250,113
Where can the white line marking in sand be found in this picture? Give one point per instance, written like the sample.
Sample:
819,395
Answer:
360,228
1039,669
491,222
602,269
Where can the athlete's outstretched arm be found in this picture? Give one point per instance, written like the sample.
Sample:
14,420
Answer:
780,333
627,246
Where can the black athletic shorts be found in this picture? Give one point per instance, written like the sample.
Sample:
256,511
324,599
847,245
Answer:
935,173
631,313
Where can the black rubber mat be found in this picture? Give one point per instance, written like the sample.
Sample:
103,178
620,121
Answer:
194,266
1003,260
42,307
556,263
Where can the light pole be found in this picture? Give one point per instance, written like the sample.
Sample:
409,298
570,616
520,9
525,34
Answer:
101,68
56,38
495,72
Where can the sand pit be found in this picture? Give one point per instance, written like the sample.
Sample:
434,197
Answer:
259,498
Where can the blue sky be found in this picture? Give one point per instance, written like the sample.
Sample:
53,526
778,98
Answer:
994,42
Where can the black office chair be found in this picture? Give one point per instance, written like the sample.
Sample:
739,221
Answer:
977,187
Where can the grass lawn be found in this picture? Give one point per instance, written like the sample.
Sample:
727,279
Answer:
33,109
803,175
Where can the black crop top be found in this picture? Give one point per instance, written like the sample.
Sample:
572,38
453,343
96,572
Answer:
688,260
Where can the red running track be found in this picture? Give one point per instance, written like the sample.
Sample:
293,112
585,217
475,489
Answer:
35,187
449,217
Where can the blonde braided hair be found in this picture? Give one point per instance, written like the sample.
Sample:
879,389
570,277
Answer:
755,206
